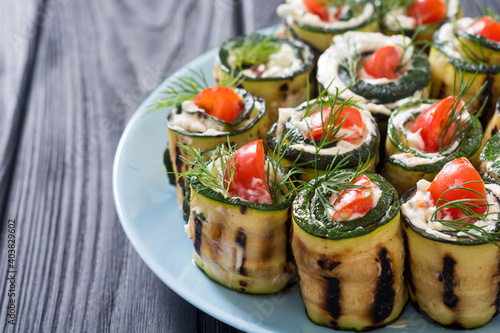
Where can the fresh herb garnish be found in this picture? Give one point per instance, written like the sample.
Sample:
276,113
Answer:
468,207
255,50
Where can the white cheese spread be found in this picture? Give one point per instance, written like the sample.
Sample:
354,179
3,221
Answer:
419,210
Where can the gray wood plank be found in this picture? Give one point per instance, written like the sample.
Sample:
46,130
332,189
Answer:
96,62
18,35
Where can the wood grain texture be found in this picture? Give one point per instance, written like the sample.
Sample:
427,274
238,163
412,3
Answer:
92,63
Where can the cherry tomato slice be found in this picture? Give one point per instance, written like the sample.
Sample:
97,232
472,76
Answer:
320,8
455,173
221,102
353,122
354,201
383,63
432,122
428,11
486,27
249,180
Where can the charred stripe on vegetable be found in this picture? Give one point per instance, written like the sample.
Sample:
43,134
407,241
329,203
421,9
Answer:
384,294
198,226
332,304
241,240
447,277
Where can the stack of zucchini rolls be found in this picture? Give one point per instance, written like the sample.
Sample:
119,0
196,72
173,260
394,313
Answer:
275,163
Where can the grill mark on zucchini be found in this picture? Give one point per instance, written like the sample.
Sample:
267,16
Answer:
178,164
243,209
198,226
384,293
241,240
325,264
447,277
332,304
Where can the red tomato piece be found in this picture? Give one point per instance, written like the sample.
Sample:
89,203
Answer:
432,122
320,8
486,27
383,63
220,102
249,180
428,11
354,201
455,173
322,119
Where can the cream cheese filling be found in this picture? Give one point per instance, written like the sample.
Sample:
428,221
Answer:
419,211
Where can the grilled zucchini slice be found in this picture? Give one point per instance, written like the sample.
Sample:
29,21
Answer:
288,65
309,28
397,20
351,272
338,72
211,132
241,245
404,166
301,151
451,65
454,280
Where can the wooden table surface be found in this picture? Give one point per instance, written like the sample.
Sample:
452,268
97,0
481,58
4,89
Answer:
72,73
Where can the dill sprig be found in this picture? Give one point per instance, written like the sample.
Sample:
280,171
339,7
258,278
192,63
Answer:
186,87
217,177
182,89
255,51
334,182
467,207
216,171
390,5
455,122
485,11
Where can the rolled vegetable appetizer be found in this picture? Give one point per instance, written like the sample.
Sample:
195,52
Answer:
239,220
322,132
204,117
347,244
273,68
316,22
422,17
489,160
378,72
450,228
425,135
461,53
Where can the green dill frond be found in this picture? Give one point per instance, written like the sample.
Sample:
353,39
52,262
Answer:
454,123
466,224
485,11
334,182
255,50
203,166
184,88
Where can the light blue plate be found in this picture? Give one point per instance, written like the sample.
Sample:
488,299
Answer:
148,210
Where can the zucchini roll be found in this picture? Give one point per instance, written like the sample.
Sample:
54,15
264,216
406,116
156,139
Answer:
377,71
316,22
489,160
239,221
460,53
322,132
452,252
212,117
349,253
423,136
423,17
273,68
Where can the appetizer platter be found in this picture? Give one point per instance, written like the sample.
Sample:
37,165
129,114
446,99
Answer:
306,184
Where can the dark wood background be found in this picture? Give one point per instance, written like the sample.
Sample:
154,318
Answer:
72,73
